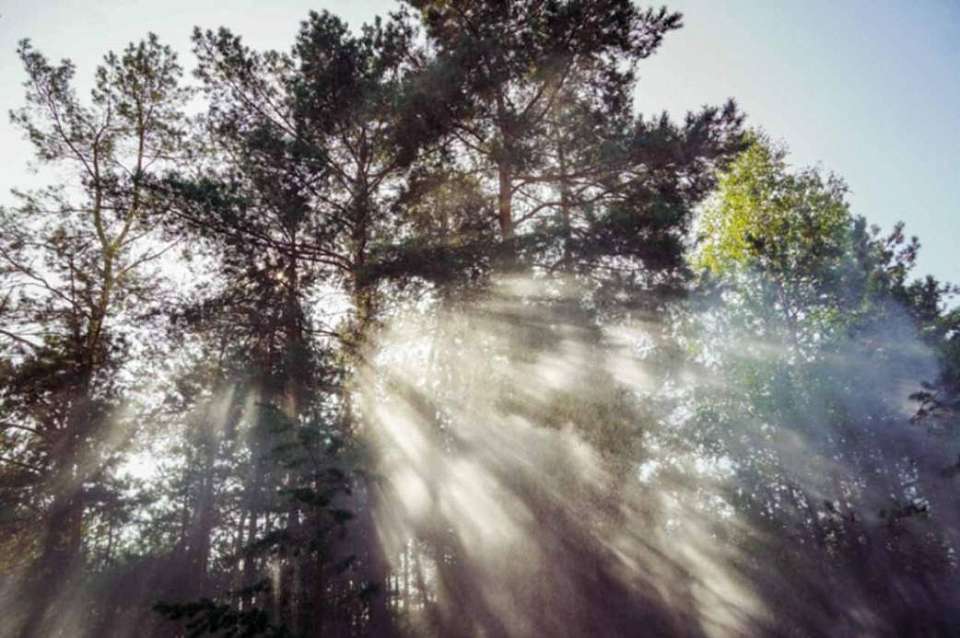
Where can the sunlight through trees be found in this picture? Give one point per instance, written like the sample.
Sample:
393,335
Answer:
420,329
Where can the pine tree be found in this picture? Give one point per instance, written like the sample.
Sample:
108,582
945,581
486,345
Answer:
74,262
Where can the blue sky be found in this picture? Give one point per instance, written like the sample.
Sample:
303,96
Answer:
869,90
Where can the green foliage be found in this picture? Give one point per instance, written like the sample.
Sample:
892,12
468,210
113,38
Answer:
793,224
206,617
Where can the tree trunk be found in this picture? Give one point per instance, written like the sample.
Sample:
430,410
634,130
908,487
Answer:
201,525
249,572
505,201
60,553
295,374
566,227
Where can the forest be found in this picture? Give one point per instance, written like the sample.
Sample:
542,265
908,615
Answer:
421,329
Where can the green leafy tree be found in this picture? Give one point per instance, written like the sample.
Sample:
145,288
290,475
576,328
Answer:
819,333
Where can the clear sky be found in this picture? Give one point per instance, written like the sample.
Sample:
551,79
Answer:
867,89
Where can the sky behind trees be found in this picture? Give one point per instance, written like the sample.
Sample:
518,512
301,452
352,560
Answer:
870,92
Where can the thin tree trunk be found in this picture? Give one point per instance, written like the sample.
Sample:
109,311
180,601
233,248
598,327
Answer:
505,201
565,221
249,573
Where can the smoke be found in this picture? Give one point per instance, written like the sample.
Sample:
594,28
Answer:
545,472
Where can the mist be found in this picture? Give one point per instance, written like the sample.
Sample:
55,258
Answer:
588,484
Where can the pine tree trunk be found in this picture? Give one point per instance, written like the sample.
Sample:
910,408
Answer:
60,552
201,526
565,221
505,202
